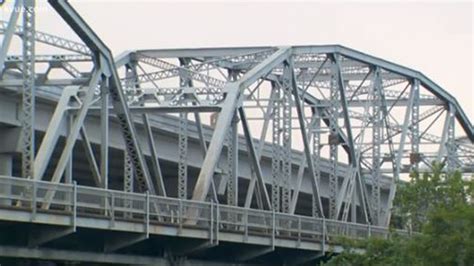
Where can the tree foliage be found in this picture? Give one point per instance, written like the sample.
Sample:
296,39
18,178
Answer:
439,209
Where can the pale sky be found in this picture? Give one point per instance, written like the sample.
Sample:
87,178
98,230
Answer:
435,38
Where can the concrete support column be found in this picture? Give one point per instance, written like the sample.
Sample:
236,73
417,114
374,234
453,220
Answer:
6,166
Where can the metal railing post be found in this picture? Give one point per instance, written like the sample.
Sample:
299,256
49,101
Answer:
246,224
180,216
218,216
299,231
106,205
324,236
74,205
112,210
211,227
147,215
273,229
33,201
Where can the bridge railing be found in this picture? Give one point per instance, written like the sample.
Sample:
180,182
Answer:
83,201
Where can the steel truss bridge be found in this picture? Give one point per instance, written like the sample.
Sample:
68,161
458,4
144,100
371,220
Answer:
265,155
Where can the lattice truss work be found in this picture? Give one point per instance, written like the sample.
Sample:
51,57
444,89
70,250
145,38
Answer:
320,130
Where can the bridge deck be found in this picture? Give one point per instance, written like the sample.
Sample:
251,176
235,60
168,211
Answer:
143,215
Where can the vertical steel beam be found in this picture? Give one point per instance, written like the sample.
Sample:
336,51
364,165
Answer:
450,142
287,105
232,164
415,127
183,156
354,206
184,81
376,151
232,156
276,148
333,140
68,172
128,173
104,135
316,153
128,184
28,99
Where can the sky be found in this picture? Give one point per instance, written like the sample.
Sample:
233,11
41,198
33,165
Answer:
434,37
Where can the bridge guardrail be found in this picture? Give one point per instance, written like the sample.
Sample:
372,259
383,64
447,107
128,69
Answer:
72,199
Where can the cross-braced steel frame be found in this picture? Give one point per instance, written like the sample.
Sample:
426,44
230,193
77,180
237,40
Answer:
346,124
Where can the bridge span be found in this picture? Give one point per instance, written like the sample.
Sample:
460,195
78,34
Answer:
242,155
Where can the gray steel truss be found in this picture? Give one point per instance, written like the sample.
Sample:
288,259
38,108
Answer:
337,130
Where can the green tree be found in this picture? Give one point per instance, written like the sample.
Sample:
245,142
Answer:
439,207
427,193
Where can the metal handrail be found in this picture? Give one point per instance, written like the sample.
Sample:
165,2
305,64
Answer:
145,208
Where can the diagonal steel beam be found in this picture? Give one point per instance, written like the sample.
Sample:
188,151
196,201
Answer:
302,166
406,124
266,117
103,57
350,139
186,80
307,149
52,134
73,134
8,34
231,102
90,157
345,111
254,158
49,39
444,137
154,157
